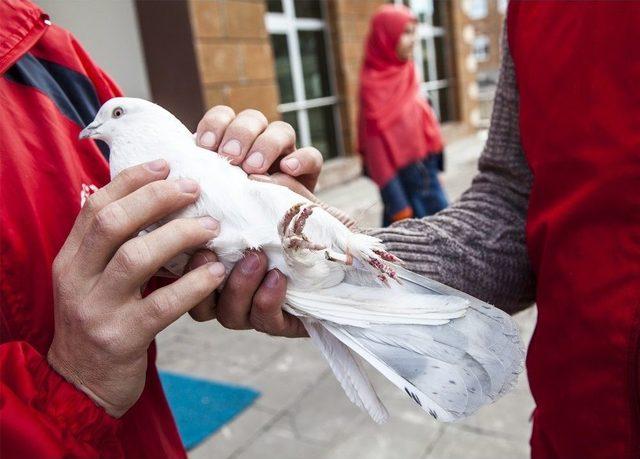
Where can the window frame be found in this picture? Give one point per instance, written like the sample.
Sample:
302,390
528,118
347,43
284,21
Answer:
427,32
286,23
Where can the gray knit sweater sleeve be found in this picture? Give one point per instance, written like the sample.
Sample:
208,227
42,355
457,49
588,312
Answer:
477,245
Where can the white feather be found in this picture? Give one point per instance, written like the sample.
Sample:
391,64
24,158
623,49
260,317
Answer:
347,371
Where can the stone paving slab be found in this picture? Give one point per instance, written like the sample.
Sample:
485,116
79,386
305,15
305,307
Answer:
456,443
303,413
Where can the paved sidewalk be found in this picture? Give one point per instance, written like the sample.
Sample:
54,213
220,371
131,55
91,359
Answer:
303,413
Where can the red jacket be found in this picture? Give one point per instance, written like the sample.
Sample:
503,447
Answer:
577,68
49,90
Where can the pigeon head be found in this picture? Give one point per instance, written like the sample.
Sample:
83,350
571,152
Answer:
122,117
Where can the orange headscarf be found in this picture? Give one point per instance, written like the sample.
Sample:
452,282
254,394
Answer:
396,127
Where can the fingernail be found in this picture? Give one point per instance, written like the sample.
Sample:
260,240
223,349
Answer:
209,223
156,166
217,269
255,160
272,279
292,163
187,186
208,139
250,263
232,148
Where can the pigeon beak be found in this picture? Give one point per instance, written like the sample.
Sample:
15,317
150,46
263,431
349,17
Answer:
90,131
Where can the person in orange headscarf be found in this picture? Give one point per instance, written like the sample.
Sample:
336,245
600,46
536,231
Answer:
399,136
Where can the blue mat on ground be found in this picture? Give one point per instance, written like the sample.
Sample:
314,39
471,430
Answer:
200,407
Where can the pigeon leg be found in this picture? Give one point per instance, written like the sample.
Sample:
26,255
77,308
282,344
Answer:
286,220
386,256
291,229
385,271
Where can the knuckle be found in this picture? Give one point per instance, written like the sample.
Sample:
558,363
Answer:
161,191
93,204
157,304
131,256
108,339
262,324
129,174
109,219
231,322
77,318
255,114
316,157
215,116
222,110
284,128
262,306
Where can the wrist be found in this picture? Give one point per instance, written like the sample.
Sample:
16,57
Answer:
60,365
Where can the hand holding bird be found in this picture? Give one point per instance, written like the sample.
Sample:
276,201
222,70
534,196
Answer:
449,352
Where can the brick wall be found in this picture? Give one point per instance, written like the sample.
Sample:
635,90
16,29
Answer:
490,26
234,54
465,65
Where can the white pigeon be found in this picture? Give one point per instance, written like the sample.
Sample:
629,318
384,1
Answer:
450,352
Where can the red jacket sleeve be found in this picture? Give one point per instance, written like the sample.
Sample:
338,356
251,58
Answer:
42,415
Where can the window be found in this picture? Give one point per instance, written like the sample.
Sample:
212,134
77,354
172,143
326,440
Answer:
481,47
476,9
303,68
433,54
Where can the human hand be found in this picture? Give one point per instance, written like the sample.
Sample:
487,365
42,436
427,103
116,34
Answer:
103,326
252,298
267,152
259,147
249,300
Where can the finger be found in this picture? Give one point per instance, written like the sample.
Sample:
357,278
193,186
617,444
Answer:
119,220
267,315
163,272
212,126
138,259
234,302
241,134
166,305
122,184
205,310
285,180
200,258
305,164
277,140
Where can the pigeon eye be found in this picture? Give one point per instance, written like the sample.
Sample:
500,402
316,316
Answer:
117,112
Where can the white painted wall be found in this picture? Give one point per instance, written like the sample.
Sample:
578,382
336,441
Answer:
108,30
